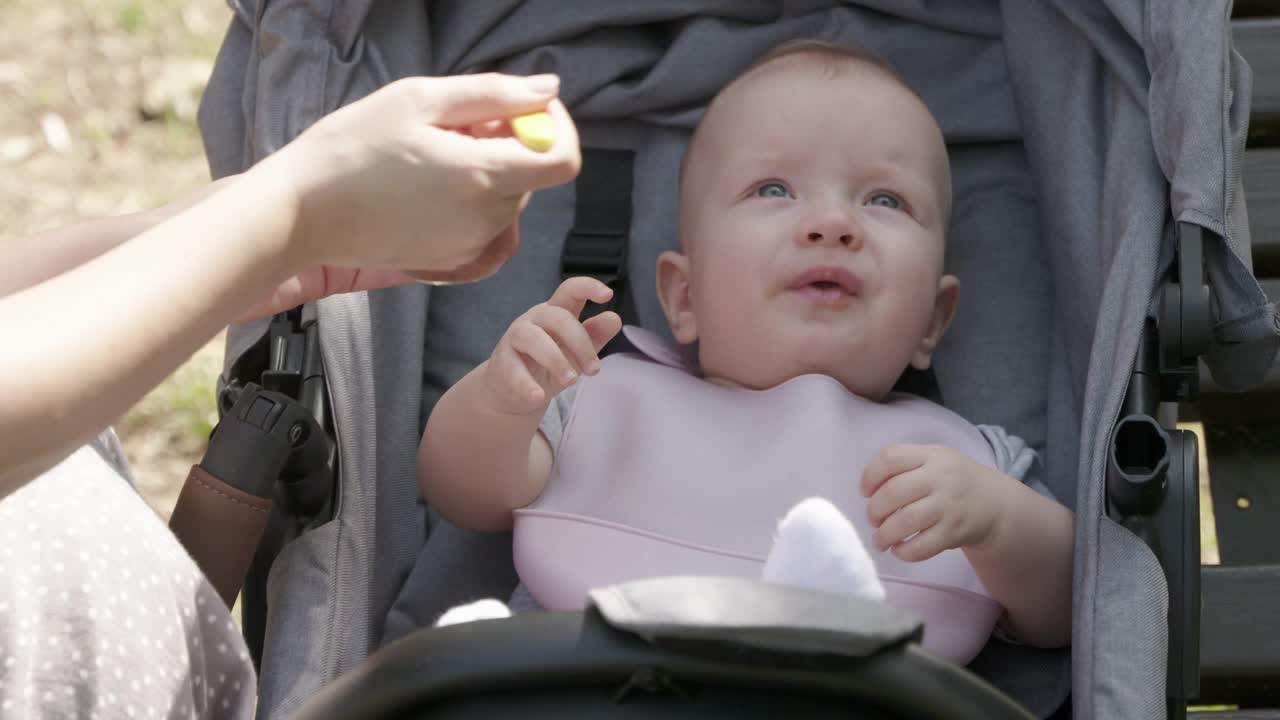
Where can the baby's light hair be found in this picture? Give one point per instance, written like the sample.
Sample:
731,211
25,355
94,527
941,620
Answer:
831,57
836,58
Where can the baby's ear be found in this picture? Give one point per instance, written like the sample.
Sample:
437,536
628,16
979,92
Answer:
673,293
944,310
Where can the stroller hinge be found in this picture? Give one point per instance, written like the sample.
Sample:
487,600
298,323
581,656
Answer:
1186,319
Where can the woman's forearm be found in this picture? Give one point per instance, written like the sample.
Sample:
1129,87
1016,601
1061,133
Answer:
31,260
84,346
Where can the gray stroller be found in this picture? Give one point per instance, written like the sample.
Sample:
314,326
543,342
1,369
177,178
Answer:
1100,231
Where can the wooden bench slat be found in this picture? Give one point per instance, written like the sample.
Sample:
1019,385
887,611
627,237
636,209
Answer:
1261,174
1244,464
1240,635
1255,8
1258,40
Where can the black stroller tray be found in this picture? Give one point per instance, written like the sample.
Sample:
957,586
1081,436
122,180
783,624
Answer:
582,665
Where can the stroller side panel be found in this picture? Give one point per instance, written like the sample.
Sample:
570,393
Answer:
1110,243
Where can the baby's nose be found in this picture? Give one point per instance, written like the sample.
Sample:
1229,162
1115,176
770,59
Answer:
844,238
830,223
832,230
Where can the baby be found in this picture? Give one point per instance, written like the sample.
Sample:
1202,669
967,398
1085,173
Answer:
815,195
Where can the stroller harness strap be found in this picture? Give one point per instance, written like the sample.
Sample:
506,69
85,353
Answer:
597,244
662,473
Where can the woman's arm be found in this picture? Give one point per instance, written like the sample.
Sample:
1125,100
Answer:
36,258
380,184
83,347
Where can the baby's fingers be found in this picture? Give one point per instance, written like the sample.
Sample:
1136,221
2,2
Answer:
510,369
574,294
897,492
889,462
905,522
570,333
923,546
602,328
540,350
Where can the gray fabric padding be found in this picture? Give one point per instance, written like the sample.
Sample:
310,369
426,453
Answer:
301,598
1057,283
318,589
224,108
993,247
1131,586
401,529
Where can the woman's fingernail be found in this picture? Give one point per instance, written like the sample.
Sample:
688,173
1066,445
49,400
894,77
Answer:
568,376
546,83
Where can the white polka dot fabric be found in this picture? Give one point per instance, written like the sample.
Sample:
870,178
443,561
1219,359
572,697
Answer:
103,614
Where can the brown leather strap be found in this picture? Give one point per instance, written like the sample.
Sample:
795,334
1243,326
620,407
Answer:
220,527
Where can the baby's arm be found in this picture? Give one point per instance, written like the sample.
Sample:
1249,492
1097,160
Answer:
481,454
926,499
1026,563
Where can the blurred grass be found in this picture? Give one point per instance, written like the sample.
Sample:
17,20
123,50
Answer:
133,18
124,77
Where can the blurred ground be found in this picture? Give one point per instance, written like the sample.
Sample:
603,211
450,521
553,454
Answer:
97,117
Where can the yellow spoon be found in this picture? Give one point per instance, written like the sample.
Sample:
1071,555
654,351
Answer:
536,131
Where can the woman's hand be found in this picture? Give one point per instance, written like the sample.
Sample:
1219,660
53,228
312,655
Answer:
400,181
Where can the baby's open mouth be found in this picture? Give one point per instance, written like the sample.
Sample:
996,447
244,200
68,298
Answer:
827,284
824,293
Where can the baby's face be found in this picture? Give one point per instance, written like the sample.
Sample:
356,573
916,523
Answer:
814,217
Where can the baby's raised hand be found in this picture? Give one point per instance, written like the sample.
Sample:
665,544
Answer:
548,348
924,499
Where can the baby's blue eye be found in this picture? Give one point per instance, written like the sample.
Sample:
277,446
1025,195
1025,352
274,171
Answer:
886,200
773,190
